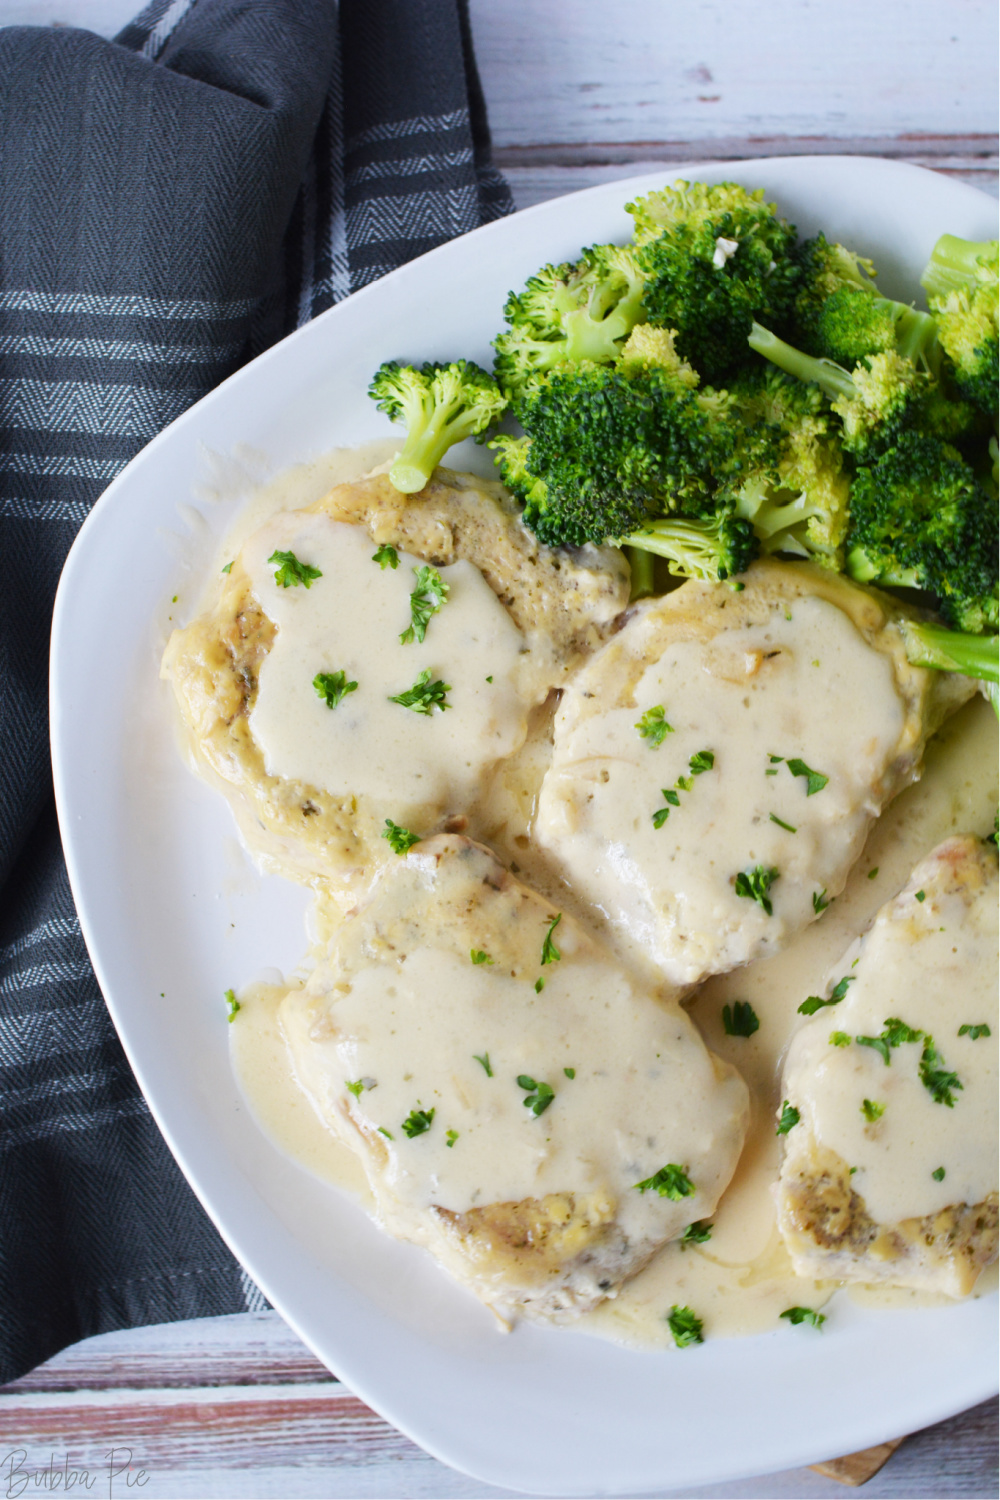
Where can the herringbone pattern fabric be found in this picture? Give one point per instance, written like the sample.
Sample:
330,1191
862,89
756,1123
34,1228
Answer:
170,203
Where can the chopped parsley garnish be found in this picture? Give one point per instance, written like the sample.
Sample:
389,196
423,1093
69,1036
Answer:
820,903
921,896
550,953
387,1133
670,1181
430,594
789,1118
484,1062
232,1005
400,839
356,1087
740,1019
974,1032
893,1034
686,1328
229,566
386,557
938,1174
292,572
479,957
872,873
654,727
755,884
776,760
772,772
417,1121
538,1095
871,1110
450,1137
796,1315
879,1043
489,679
782,824
702,760
697,1233
539,985
424,696
814,1003
332,687
839,1039
815,780
935,1077
570,1072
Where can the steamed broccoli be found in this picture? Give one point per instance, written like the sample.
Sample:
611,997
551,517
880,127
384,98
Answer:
920,519
930,645
961,281
715,259
567,314
713,547
440,405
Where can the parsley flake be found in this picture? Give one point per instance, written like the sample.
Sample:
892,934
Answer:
430,595
755,884
333,687
229,567
839,1039
232,1005
484,1062
292,572
697,1233
872,873
550,953
935,1076
740,1019
938,1174
814,1003
796,1315
539,985
921,896
820,903
538,1095
702,760
790,1117
417,1121
400,839
479,957
879,1043
654,727
356,1087
871,1110
386,557
424,696
570,1072
686,1328
782,824
670,1181
974,1032
450,1137
387,1133
815,780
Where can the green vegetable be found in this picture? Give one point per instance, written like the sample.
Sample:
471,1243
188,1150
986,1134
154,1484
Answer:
430,595
484,1062
790,1117
697,1233
755,884
938,1174
871,1110
479,957
550,953
815,780
935,1076
232,1005
820,903
974,1032
386,557
701,761
782,824
814,1003
839,1039
538,1095
670,1181
333,687
929,645
356,1087
654,727
424,696
440,405
740,1019
292,572
229,567
400,839
417,1122
796,1315
570,1072
451,1136
961,282
685,1327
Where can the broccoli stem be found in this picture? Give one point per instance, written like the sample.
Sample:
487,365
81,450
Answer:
954,264
917,338
831,378
641,563
951,650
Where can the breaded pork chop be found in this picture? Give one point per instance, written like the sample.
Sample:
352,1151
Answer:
718,763
312,775
890,1174
522,1108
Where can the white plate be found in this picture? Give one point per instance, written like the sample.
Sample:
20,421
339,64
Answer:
149,851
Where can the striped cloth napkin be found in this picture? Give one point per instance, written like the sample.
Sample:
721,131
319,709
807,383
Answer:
172,202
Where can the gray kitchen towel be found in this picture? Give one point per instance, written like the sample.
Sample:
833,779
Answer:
171,203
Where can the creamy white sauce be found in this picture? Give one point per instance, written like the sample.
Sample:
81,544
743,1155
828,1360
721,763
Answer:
806,687
350,620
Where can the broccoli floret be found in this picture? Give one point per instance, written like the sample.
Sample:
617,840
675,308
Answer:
715,259
930,645
440,405
919,519
713,548
568,314
961,280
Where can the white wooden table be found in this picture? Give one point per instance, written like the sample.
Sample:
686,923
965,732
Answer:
578,92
